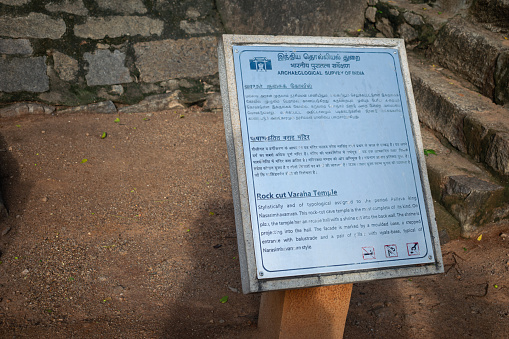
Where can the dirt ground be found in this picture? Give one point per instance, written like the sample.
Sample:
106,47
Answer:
133,236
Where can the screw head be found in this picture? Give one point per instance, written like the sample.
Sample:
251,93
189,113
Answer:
261,274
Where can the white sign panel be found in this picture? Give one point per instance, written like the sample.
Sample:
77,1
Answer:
331,169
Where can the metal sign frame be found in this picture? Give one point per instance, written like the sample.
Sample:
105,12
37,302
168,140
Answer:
251,279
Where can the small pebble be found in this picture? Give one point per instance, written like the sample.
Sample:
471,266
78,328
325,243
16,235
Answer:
25,271
43,132
221,321
44,199
6,230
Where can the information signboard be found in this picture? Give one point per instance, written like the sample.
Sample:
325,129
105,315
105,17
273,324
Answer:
327,165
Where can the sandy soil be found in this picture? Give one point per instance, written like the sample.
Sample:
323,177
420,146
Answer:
133,236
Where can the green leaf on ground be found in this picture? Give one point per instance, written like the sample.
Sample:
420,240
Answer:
117,120
84,161
224,299
429,151
104,135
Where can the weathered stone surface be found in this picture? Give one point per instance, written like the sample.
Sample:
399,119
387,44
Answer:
192,13
167,59
65,66
469,199
105,107
471,123
492,11
444,168
468,51
117,89
372,2
291,17
413,19
15,46
35,25
446,163
23,74
407,32
68,6
213,102
117,26
502,79
154,103
448,227
25,108
385,27
196,27
371,14
106,68
14,2
123,6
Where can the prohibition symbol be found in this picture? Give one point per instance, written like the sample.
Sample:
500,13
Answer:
368,253
391,251
413,248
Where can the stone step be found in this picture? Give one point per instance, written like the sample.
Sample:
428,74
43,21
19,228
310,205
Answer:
468,192
451,38
467,120
476,54
494,14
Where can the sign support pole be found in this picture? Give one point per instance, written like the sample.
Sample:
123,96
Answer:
317,312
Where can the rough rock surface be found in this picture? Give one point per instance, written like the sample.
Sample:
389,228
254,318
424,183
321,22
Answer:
23,74
320,17
15,46
464,50
66,67
154,103
106,68
123,6
194,57
105,107
34,25
25,108
117,26
68,6
467,198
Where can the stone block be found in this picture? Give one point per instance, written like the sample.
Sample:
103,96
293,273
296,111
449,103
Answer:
23,74
492,11
106,68
154,103
407,32
471,123
196,27
291,17
105,107
385,27
117,26
65,66
371,14
35,25
469,199
25,108
168,59
213,102
15,46
123,6
413,19
75,7
502,79
14,2
469,52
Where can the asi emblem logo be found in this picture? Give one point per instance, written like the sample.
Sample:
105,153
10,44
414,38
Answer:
260,64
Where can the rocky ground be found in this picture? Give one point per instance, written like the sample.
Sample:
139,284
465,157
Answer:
122,226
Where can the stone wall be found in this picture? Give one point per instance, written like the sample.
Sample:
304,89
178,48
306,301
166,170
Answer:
76,52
